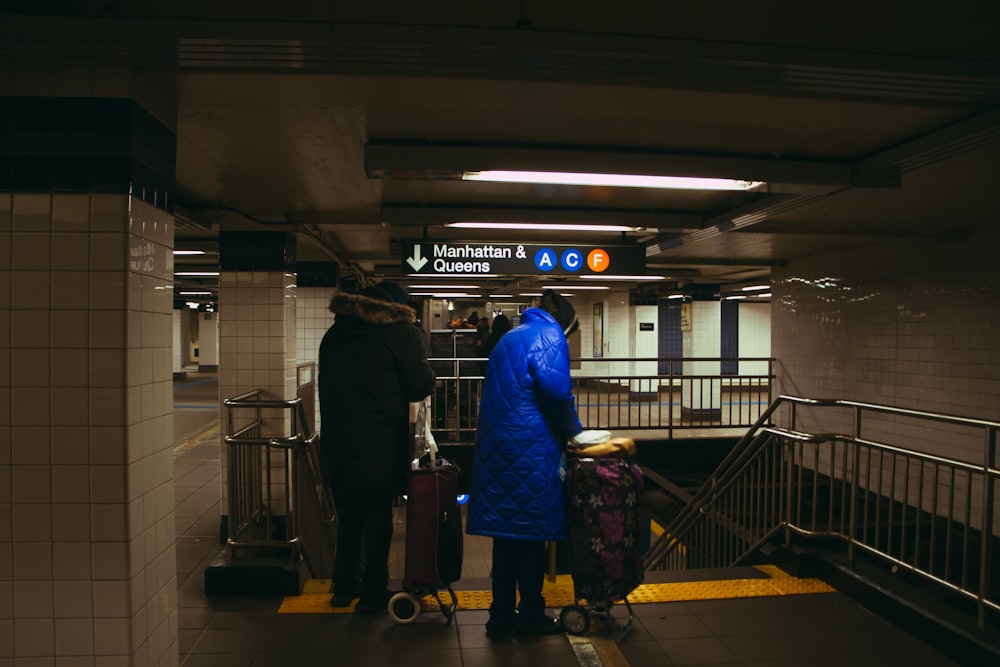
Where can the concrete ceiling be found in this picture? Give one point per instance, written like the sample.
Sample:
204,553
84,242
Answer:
348,127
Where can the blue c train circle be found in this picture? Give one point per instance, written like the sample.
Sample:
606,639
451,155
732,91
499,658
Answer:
572,260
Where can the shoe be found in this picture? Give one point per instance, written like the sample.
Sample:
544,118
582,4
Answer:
370,607
546,625
342,600
499,631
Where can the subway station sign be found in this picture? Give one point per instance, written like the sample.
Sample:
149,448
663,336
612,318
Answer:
476,259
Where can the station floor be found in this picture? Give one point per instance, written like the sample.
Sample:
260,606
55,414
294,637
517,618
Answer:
739,616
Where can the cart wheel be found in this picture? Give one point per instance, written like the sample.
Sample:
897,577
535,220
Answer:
448,611
575,620
403,607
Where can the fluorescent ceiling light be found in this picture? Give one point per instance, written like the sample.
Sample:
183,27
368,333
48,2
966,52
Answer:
447,295
195,293
196,273
443,286
676,296
754,288
531,294
591,287
736,296
189,252
545,226
617,180
501,296
597,276
763,295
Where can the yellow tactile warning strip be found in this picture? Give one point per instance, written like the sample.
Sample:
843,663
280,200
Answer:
315,597
772,571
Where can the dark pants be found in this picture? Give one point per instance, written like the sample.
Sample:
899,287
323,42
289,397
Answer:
365,517
518,566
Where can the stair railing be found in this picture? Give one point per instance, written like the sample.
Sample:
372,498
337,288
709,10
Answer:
276,497
931,515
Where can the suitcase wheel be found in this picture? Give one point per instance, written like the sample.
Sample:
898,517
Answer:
575,619
404,607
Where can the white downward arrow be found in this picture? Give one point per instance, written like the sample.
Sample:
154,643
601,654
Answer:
416,261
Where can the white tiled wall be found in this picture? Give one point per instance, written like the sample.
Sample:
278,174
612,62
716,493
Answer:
703,340
179,341
312,319
616,326
913,325
87,563
208,339
256,352
644,344
755,337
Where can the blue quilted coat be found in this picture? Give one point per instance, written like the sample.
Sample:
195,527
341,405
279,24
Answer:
526,415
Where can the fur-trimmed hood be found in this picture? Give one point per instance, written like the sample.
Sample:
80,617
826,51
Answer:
367,309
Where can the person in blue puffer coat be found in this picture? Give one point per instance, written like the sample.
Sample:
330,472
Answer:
526,415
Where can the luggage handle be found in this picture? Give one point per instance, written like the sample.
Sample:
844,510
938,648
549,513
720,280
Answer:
430,444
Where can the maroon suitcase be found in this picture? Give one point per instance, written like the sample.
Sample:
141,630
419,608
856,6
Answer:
433,528
433,557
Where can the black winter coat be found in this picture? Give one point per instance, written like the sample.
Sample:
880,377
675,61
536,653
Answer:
372,364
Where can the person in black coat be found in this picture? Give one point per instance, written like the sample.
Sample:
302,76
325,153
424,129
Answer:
501,325
372,365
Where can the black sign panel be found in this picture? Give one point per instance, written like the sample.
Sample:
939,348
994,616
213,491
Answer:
478,259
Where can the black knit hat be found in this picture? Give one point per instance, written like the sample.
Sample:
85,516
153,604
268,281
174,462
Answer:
376,292
561,309
395,291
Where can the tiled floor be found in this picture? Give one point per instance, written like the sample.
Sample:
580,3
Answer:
784,631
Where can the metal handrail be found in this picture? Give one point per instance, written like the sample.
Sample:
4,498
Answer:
663,401
277,498
921,512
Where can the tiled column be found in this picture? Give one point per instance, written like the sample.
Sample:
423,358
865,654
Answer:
208,341
256,328
701,400
180,339
87,561
644,344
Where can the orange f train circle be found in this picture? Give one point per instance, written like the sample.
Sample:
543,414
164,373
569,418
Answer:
598,260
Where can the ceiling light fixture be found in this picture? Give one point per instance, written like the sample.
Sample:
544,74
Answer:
754,288
196,273
586,287
501,296
189,252
545,226
442,286
447,295
613,180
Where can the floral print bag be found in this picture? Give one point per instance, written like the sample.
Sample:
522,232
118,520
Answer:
603,512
